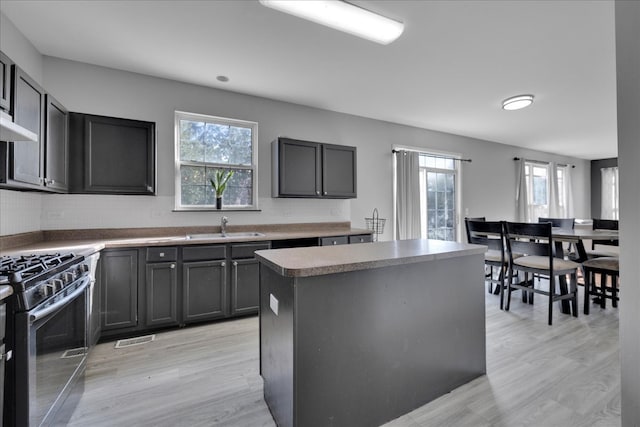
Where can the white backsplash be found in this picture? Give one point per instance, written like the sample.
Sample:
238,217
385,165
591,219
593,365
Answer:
76,211
19,212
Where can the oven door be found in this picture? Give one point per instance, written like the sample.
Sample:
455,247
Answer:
54,351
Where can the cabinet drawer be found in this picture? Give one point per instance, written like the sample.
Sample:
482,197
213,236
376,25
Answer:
204,253
246,250
362,238
162,254
338,240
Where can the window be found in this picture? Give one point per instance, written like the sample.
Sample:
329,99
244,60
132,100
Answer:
204,144
610,193
438,207
541,201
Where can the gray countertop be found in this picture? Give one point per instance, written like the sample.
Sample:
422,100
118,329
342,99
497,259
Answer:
87,246
320,260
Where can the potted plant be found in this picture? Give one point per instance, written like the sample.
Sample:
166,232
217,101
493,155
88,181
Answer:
219,184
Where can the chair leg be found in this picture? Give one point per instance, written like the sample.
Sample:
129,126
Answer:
490,284
587,290
501,278
573,287
526,281
614,290
509,282
603,290
552,291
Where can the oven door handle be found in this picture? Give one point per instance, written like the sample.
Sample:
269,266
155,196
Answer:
34,317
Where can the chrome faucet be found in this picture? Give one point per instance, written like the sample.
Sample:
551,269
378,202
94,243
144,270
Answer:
223,225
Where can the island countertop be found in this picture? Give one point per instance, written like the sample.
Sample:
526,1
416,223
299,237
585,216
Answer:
321,260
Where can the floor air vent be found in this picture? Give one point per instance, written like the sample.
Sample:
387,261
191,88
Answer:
135,341
74,352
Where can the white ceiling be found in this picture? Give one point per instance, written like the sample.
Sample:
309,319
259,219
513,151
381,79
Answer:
449,71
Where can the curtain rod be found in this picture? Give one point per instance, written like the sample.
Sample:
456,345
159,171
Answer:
438,156
544,163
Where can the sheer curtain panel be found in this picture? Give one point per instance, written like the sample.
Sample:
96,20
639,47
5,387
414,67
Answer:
609,207
522,199
407,195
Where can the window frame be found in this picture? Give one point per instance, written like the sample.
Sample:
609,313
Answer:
183,115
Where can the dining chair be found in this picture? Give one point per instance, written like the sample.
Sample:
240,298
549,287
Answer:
535,244
467,218
603,224
602,267
490,234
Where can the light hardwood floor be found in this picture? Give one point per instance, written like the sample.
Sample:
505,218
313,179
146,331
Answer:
567,374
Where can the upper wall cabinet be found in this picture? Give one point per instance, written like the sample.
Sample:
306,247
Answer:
111,155
313,170
28,103
56,146
5,82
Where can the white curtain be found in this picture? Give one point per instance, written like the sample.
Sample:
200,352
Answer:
568,191
407,195
554,195
609,197
522,199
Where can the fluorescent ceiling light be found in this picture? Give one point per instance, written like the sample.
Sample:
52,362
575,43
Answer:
342,16
517,102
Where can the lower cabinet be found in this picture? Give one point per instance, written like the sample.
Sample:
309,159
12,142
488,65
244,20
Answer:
204,290
119,289
161,288
245,278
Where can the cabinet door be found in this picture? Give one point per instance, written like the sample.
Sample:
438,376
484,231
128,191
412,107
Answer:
56,146
338,171
5,82
119,283
28,111
298,168
112,155
335,240
204,290
161,294
245,286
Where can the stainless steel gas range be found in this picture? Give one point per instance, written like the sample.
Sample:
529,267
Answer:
47,331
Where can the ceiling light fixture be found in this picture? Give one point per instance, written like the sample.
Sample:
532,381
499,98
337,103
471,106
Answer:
342,16
517,102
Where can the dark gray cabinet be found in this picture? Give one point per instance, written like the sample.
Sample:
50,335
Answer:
5,82
313,170
339,171
111,155
204,283
56,146
161,287
27,107
119,288
245,278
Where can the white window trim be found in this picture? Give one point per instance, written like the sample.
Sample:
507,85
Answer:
181,115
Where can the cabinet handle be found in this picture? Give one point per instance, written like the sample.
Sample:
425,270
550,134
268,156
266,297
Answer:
335,242
149,188
173,266
318,192
325,193
223,264
235,263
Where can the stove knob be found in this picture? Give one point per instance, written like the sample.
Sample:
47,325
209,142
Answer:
83,268
56,285
68,277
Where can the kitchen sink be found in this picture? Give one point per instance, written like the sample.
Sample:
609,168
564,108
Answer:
212,236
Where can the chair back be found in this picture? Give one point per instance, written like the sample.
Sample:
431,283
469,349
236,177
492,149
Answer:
605,224
479,218
565,223
488,233
529,239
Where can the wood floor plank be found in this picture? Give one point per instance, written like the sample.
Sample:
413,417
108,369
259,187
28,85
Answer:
567,374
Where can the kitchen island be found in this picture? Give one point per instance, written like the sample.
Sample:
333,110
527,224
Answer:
361,334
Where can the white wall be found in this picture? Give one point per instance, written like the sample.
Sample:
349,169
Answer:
627,73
